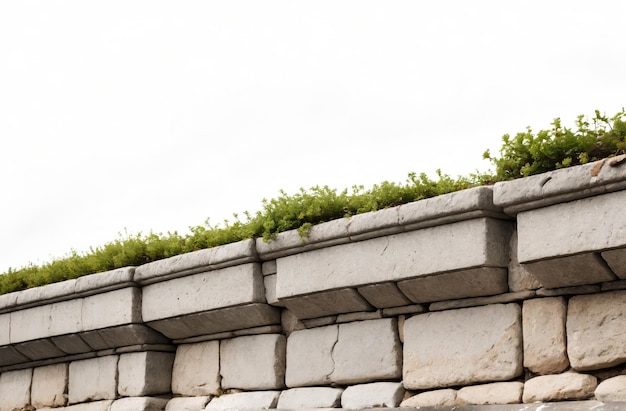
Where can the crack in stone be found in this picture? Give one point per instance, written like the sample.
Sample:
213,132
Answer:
332,356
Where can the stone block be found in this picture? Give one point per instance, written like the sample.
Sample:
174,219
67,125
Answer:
49,386
188,403
462,347
494,393
612,389
367,351
310,397
255,362
477,301
93,379
374,395
384,295
616,259
580,269
595,330
566,386
437,398
309,356
71,344
46,321
39,349
107,281
144,373
196,370
326,303
139,404
545,345
15,389
245,400
122,307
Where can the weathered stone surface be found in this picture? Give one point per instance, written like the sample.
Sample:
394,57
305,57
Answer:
543,324
351,317
93,379
196,370
326,303
15,389
367,351
460,347
566,386
612,389
616,259
39,349
188,403
48,387
245,400
580,269
309,397
437,398
309,356
477,301
255,362
384,295
139,404
520,278
595,330
484,242
144,373
494,393
374,395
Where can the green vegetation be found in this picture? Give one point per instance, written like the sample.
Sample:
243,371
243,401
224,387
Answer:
523,155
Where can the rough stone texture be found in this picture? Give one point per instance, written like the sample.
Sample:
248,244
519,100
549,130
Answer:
93,379
543,324
566,386
437,398
616,259
48,388
254,362
461,347
580,269
367,351
494,393
595,330
326,303
196,370
309,356
520,278
139,404
144,373
375,395
310,397
15,389
187,403
245,400
612,389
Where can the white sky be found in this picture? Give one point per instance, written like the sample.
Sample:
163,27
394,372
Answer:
153,115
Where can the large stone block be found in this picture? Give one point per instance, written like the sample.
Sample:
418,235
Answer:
595,330
93,379
15,389
196,370
245,400
49,386
374,395
122,307
566,386
310,397
309,356
543,322
462,347
144,373
255,362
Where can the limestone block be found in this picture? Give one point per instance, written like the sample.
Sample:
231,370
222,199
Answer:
49,386
107,281
612,389
310,397
374,395
462,347
144,373
15,389
122,336
187,403
595,330
520,278
255,362
139,404
466,244
494,393
71,344
566,386
93,379
245,400
367,351
543,324
437,398
309,356
326,303
196,370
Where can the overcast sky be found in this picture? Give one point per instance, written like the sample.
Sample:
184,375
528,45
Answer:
153,115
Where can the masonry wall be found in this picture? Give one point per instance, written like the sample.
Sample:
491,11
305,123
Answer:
512,294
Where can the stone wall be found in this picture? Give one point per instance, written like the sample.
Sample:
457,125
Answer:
510,297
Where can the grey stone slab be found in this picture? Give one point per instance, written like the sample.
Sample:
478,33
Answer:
15,389
309,397
217,321
71,344
9,356
48,386
408,309
144,373
121,336
93,379
106,281
309,356
473,282
326,303
45,321
45,294
616,259
580,269
463,347
39,349
375,223
196,370
478,301
373,395
233,254
177,266
258,400
467,244
384,295
139,404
